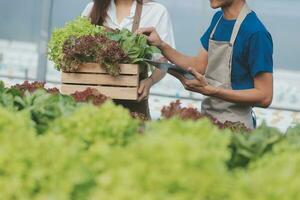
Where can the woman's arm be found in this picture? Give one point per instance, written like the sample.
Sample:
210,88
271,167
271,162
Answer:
164,27
146,84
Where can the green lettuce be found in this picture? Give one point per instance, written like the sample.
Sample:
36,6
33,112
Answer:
79,27
135,46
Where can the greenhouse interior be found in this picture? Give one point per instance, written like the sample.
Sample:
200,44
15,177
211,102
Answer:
111,99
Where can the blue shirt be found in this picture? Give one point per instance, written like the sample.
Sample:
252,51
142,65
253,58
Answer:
252,52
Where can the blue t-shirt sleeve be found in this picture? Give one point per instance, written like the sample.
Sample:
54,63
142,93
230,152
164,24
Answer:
260,55
205,37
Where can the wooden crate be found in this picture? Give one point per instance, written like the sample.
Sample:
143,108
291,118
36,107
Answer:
92,75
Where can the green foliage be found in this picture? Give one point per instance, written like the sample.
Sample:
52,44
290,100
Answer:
273,177
41,168
96,153
16,123
45,107
292,139
248,147
7,96
109,123
79,27
173,160
134,46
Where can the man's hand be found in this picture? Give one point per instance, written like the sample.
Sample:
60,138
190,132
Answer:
144,89
152,36
198,85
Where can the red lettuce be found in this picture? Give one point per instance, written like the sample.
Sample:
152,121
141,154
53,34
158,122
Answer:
187,113
99,49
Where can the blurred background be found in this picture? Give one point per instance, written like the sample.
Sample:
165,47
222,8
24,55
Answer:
25,27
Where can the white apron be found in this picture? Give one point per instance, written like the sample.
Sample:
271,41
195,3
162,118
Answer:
218,74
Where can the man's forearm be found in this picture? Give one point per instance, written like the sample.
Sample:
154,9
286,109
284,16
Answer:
178,58
253,97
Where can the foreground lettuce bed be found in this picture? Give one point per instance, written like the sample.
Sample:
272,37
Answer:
87,152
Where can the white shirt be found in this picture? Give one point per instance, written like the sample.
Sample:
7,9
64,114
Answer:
153,15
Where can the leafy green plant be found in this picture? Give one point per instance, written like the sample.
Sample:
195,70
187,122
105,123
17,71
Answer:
46,167
293,137
44,107
173,160
135,46
74,44
97,49
273,177
7,96
91,152
88,124
248,147
15,123
78,27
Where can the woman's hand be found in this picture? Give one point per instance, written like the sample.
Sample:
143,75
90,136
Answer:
144,89
152,36
199,85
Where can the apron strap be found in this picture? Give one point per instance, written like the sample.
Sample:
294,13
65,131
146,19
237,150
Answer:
137,16
215,28
242,16
136,25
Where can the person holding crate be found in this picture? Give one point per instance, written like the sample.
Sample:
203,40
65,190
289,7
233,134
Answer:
234,68
132,14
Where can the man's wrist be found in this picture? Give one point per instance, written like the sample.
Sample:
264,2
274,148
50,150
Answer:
215,91
212,91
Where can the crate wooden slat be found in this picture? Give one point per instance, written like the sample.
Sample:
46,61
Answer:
92,75
96,68
100,79
113,92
